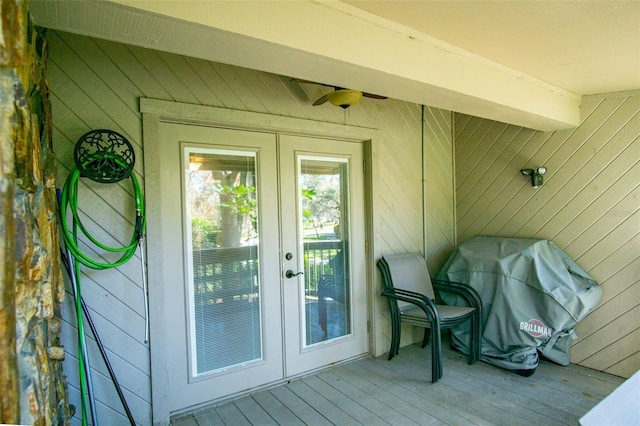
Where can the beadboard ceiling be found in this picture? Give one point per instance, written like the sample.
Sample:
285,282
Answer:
521,62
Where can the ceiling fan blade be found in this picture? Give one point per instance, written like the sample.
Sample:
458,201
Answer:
324,99
371,95
299,80
321,100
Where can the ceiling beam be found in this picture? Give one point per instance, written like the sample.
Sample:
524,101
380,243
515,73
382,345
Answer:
326,41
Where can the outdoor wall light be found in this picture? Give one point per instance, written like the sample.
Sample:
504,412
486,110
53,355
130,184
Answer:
536,175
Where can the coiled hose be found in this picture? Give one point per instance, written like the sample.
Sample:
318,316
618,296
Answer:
69,202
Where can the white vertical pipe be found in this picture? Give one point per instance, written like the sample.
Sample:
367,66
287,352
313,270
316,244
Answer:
453,179
424,184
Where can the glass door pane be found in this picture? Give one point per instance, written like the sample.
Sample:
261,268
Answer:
221,208
323,211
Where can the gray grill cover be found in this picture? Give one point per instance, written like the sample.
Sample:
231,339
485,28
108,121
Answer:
532,295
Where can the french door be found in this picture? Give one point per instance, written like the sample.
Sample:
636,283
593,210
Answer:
322,211
262,255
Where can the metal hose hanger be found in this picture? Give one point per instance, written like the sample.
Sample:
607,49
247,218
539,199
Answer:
107,157
103,156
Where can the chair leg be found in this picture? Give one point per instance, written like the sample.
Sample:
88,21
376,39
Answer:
322,316
427,336
436,356
440,362
435,375
392,348
398,336
395,336
473,337
478,336
473,340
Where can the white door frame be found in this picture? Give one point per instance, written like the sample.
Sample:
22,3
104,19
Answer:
153,112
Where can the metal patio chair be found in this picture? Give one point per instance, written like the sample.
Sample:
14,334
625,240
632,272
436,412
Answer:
414,299
332,286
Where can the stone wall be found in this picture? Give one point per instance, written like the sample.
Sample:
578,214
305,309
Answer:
33,386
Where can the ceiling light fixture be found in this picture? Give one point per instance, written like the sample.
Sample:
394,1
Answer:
536,175
344,98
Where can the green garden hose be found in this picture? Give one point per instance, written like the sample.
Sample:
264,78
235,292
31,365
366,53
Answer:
69,202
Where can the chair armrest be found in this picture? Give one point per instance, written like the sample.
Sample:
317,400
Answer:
466,291
418,299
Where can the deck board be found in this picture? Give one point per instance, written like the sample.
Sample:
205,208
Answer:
375,391
230,414
351,404
253,412
299,407
387,414
322,405
416,378
384,394
417,409
207,417
278,411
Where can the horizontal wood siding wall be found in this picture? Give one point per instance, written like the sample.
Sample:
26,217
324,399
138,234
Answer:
97,84
589,205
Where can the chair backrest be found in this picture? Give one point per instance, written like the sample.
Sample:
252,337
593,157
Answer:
407,272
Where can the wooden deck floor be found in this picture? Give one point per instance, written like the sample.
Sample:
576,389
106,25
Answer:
400,392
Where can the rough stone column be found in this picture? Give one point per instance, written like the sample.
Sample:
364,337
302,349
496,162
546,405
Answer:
33,388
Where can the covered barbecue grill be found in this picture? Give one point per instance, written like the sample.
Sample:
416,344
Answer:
532,296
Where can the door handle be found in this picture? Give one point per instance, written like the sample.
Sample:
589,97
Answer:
291,274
